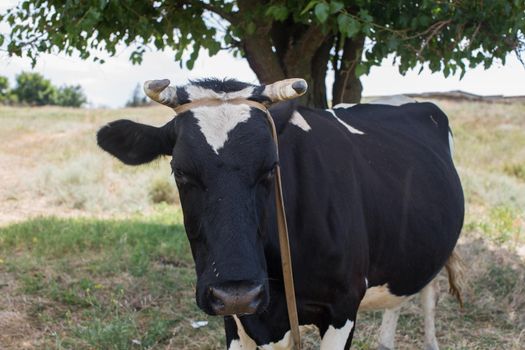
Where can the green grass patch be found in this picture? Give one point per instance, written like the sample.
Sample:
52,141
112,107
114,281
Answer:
107,284
502,225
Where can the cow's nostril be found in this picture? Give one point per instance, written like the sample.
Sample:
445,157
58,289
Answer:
216,302
235,298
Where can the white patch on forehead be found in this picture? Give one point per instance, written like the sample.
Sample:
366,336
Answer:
335,338
298,120
196,92
216,122
379,297
348,126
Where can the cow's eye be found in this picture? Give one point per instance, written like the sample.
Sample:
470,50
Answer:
183,178
267,176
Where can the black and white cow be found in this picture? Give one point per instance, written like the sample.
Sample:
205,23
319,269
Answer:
374,204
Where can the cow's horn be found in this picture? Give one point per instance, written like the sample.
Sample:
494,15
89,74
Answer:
285,89
161,92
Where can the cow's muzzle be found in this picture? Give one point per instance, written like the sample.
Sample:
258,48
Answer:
236,298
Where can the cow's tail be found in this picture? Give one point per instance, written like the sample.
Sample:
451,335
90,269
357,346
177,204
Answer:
455,270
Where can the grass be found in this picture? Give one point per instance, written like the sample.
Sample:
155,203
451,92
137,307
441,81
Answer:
103,284
93,254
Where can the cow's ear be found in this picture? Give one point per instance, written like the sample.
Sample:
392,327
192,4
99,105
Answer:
135,143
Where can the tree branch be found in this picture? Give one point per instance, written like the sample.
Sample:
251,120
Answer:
307,44
231,17
433,29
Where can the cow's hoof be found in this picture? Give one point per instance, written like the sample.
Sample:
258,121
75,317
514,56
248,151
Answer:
382,347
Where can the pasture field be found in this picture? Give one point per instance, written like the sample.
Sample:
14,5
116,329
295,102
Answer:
93,254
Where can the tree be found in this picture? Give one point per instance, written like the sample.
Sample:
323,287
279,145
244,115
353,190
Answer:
6,94
294,38
4,89
34,89
137,97
71,96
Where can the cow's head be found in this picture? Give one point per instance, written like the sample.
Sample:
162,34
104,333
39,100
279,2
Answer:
223,159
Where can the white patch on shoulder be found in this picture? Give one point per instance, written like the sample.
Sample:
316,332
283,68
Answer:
344,105
196,92
236,345
379,297
244,342
366,282
349,127
217,121
283,344
298,120
335,339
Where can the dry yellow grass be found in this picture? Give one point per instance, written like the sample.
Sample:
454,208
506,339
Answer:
51,165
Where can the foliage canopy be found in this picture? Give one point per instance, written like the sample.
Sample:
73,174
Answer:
280,38
34,89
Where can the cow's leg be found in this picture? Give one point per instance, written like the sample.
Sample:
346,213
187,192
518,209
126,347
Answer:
387,332
338,330
337,338
428,301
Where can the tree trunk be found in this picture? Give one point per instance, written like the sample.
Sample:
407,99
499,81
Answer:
319,67
258,48
280,50
347,87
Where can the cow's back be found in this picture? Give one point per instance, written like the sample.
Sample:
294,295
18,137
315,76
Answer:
372,188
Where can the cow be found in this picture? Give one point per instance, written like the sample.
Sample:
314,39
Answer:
373,202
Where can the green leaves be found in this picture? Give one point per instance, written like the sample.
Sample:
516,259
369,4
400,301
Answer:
322,10
362,69
336,6
348,26
446,36
279,12
308,7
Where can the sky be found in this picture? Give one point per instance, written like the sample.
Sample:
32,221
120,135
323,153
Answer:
111,84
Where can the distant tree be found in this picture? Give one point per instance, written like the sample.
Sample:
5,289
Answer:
7,97
35,90
4,89
71,96
281,38
137,98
